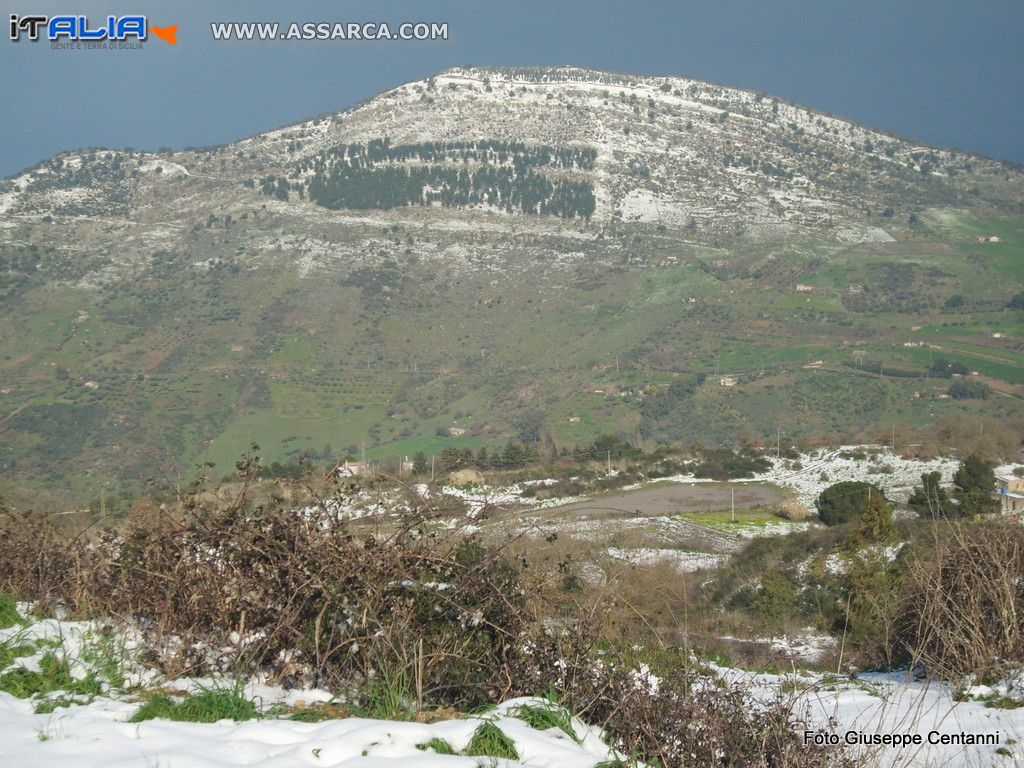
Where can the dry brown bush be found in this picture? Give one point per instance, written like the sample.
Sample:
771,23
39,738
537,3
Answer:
240,585
667,712
793,510
961,608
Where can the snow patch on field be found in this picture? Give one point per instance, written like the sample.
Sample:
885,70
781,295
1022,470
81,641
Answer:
896,703
98,735
684,561
165,167
479,499
811,473
806,646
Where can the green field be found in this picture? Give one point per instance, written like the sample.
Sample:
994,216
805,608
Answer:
175,367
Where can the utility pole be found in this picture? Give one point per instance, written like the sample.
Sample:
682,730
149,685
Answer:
431,469
732,502
894,436
609,462
778,442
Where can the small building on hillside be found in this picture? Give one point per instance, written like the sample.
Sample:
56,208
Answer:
354,469
727,381
988,239
804,288
1010,493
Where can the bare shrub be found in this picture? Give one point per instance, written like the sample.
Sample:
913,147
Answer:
962,599
664,710
242,586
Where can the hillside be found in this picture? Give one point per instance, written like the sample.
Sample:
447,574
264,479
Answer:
538,254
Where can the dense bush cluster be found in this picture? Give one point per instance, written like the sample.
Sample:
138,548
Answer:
723,464
249,586
845,502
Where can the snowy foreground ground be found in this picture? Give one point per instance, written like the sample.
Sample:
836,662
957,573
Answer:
892,703
97,732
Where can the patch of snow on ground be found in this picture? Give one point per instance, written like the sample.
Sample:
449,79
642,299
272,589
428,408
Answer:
684,561
484,497
894,703
806,646
97,733
822,468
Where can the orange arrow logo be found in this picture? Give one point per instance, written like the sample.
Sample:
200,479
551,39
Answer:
170,34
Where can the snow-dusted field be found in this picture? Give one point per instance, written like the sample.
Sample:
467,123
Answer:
892,703
819,469
485,498
97,733
684,561
807,476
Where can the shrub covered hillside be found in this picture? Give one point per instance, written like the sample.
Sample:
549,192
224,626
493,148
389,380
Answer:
400,623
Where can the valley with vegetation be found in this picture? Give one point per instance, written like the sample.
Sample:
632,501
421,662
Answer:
540,256
515,417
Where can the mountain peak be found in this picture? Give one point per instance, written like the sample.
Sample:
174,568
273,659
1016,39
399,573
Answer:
675,152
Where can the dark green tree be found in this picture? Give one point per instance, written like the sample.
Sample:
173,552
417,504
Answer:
451,458
844,502
419,463
974,483
930,499
482,460
969,389
776,598
874,526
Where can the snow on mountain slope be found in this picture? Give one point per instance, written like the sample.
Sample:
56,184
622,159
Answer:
703,159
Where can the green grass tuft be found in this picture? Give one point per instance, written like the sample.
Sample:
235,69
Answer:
105,653
12,650
309,715
204,707
489,741
998,701
543,717
53,675
437,746
388,699
48,706
9,615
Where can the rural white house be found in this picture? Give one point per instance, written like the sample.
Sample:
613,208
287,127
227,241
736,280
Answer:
1010,492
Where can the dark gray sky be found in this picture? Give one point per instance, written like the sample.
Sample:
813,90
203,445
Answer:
946,72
